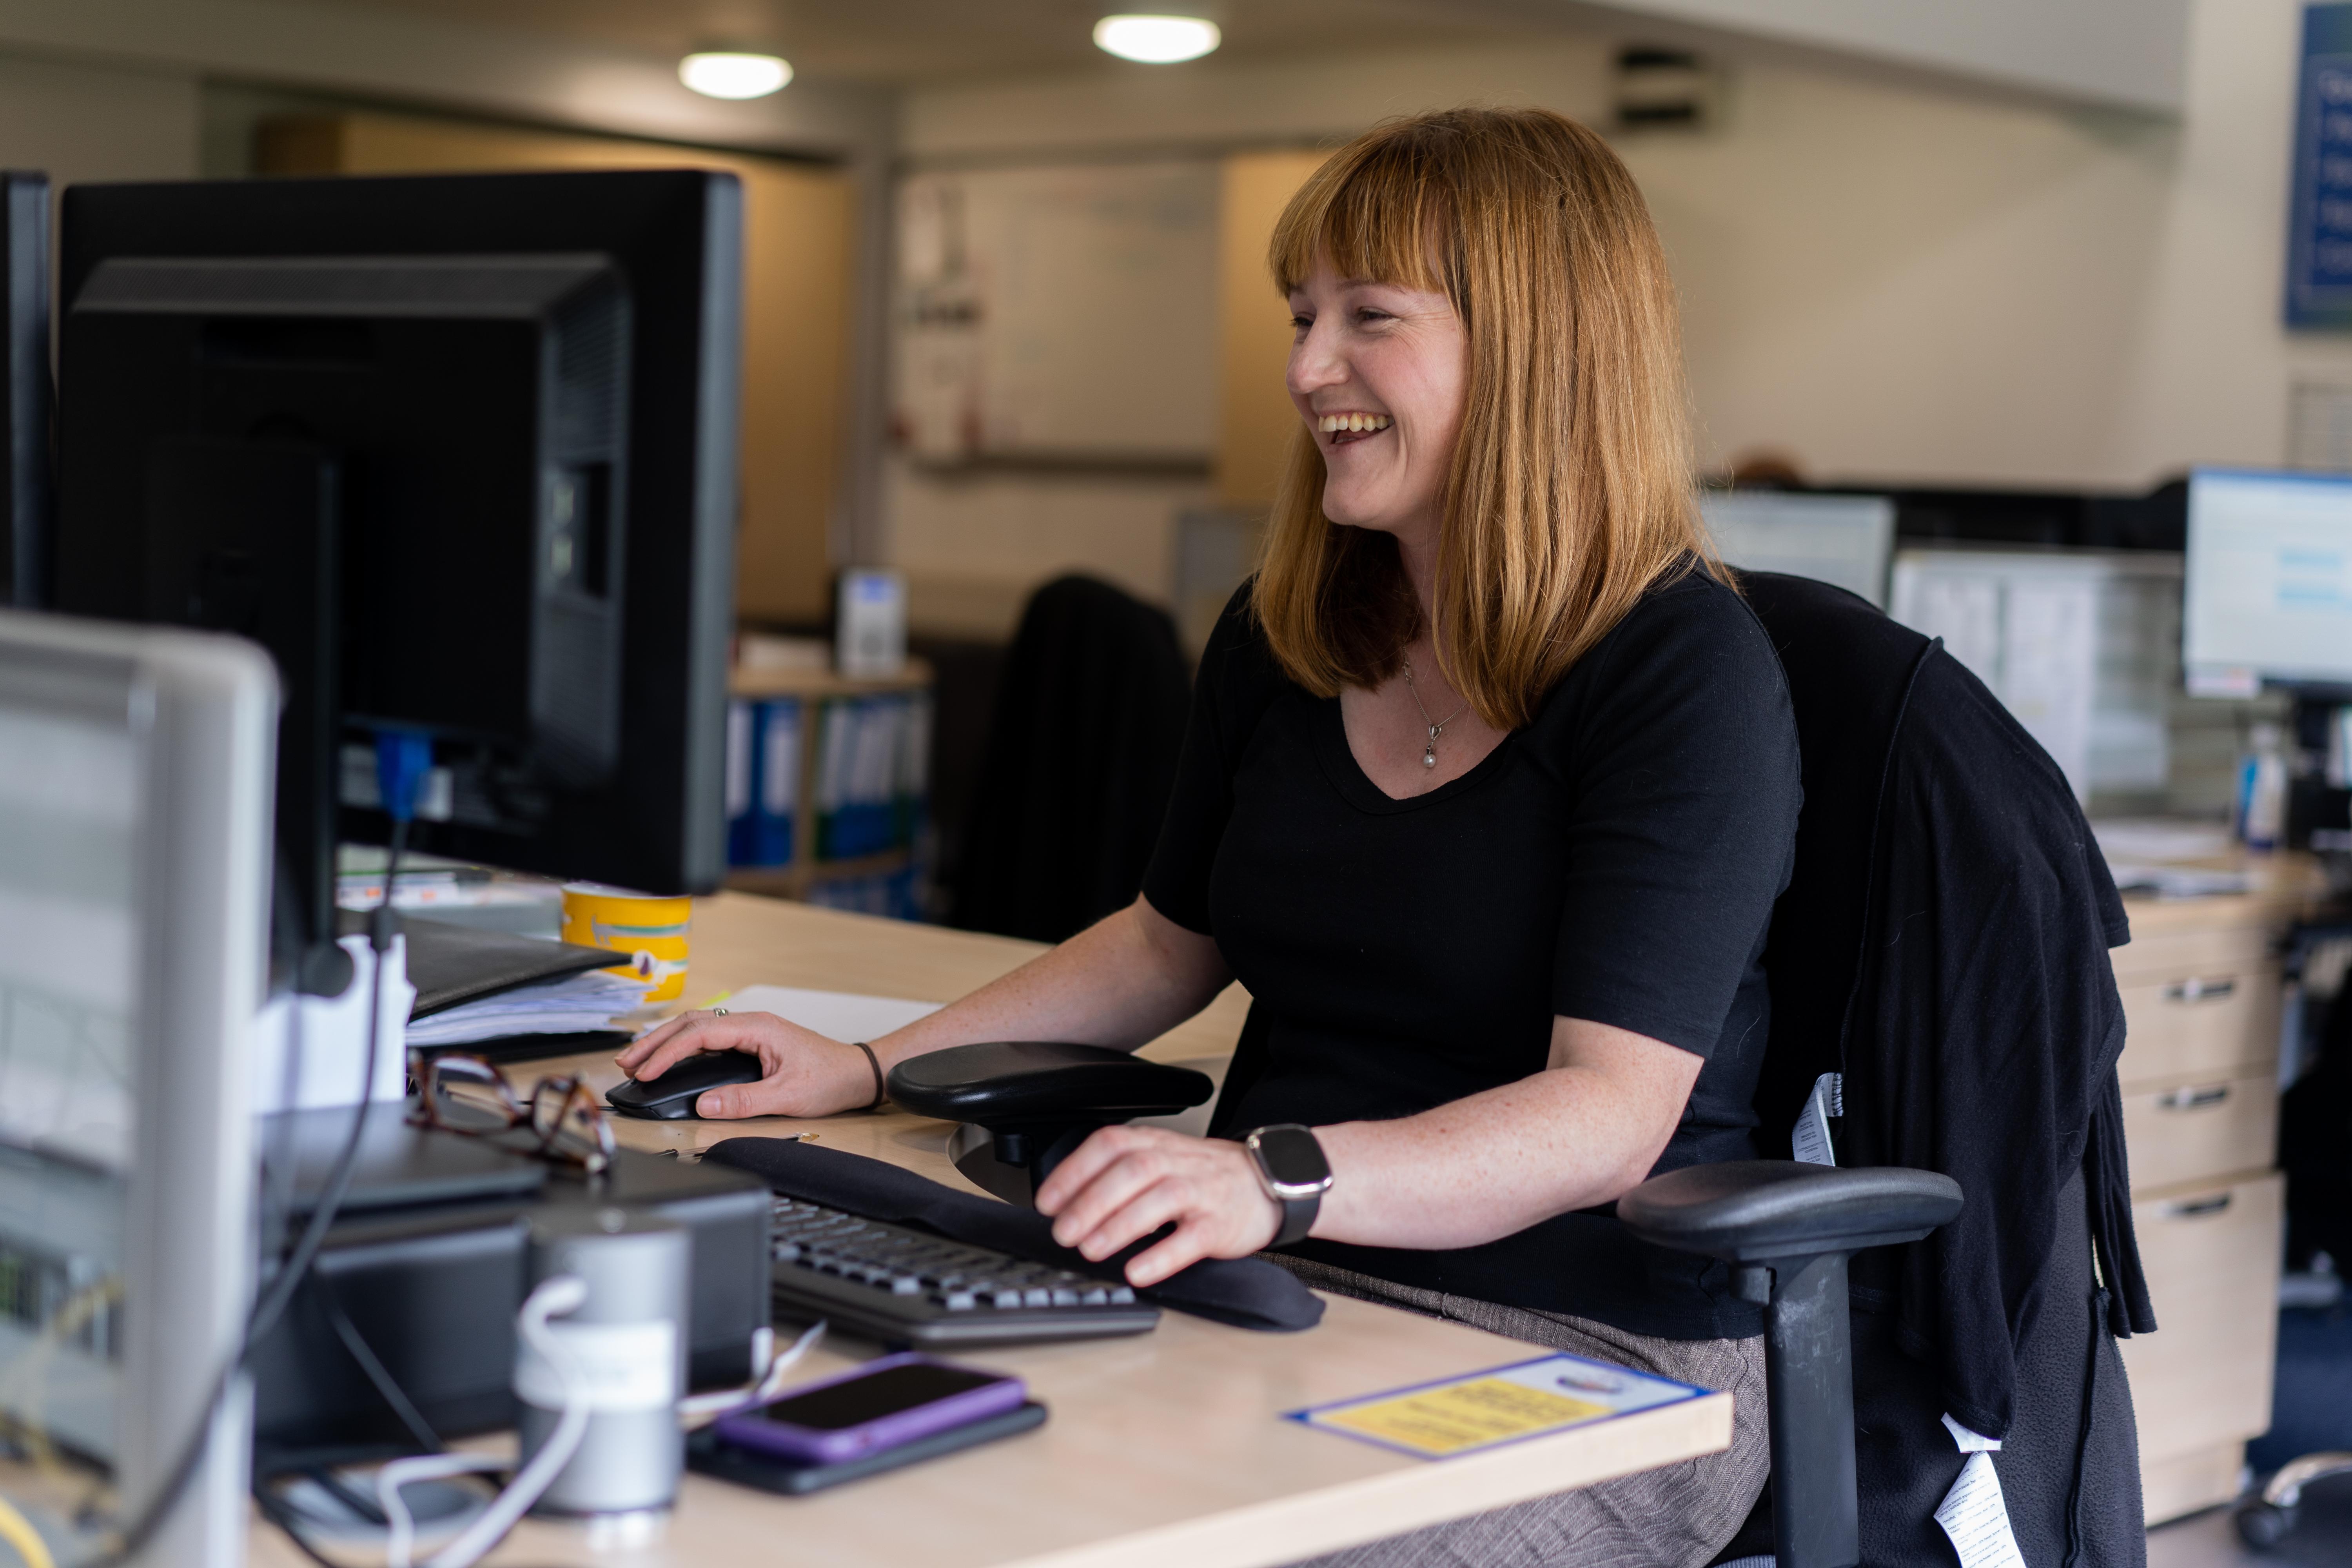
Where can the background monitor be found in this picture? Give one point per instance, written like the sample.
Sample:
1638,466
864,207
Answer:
25,388
134,878
460,452
1837,539
2268,589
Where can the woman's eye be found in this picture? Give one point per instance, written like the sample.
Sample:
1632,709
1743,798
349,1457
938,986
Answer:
1370,316
1301,323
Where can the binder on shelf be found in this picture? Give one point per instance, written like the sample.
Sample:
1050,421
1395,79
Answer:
763,780
871,770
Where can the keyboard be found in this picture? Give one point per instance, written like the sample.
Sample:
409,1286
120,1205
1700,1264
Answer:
901,1286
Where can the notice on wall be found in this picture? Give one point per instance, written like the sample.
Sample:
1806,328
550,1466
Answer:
2319,222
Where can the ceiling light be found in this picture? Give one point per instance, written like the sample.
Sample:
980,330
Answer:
731,73
1156,40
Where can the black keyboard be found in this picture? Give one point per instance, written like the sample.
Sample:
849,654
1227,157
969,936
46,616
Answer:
908,1287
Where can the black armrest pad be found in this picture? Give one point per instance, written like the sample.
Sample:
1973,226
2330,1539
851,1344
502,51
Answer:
1016,1082
1247,1292
1754,1210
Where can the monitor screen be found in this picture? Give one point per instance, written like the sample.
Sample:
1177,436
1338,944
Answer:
1843,540
2268,593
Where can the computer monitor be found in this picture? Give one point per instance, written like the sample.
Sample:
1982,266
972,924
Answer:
134,884
460,452
1838,538
25,389
2267,592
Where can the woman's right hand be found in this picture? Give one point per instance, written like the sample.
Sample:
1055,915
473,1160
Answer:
801,1073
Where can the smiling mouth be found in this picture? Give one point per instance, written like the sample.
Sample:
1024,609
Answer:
1342,429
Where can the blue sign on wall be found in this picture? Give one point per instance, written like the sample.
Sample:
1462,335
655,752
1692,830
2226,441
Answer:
2319,232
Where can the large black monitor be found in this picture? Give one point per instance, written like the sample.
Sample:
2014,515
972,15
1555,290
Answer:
460,452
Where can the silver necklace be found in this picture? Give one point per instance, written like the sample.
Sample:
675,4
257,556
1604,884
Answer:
1436,727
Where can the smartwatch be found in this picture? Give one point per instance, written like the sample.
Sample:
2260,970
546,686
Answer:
1294,1172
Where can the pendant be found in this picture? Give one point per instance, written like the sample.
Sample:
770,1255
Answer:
1429,748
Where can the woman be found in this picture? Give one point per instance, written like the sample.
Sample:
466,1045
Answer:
1489,787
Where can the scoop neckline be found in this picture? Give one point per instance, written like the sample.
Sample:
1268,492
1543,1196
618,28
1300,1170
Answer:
1355,786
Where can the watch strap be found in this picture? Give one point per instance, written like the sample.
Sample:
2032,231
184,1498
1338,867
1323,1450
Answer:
1297,1218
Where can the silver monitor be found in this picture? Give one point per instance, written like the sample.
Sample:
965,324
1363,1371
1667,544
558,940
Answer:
1840,540
2268,595
135,790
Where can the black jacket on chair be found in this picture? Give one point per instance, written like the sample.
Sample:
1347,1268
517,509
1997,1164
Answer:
1942,944
1081,754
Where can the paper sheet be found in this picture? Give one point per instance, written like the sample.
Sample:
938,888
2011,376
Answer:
1500,1404
1973,1512
1810,1139
836,1015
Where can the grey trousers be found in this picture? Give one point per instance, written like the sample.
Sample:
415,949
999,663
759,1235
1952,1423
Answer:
1679,1516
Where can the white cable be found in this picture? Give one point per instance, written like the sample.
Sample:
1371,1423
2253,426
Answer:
556,1294
401,1541
701,1409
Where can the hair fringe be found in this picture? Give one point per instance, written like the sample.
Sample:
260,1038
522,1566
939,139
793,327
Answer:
1569,493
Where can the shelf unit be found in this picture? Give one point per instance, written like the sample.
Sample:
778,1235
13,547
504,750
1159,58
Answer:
809,875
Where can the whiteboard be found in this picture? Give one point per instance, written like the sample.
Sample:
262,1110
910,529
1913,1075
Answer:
1058,313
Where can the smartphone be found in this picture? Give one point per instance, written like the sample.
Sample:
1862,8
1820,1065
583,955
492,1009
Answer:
878,1406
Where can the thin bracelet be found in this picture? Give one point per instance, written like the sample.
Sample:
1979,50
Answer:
881,1092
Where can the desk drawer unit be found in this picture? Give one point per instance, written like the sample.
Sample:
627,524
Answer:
2206,1019
2201,1383
2202,949
2200,1129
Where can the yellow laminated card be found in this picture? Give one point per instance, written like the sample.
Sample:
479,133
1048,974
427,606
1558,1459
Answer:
1502,1405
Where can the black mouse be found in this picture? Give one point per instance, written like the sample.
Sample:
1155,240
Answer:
671,1096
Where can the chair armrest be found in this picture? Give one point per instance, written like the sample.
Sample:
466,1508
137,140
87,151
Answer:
1008,1083
1753,1211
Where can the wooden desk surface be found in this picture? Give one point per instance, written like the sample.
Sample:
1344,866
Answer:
1165,1449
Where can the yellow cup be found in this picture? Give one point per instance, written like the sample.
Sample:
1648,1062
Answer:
652,930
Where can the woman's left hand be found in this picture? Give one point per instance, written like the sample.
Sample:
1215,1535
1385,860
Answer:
1124,1183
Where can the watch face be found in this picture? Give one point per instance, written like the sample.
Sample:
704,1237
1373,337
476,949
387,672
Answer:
1291,1157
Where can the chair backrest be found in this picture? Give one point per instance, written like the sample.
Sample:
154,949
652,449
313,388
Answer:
1082,750
1850,670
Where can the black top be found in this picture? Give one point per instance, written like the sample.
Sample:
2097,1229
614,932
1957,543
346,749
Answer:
1616,859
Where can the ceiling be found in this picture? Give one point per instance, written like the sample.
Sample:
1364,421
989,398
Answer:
907,41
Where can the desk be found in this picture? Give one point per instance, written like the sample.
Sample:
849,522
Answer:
1164,1451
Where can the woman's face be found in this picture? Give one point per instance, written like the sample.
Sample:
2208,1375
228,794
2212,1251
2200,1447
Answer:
1377,371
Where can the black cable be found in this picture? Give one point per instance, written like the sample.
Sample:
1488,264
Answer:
281,1292
396,1397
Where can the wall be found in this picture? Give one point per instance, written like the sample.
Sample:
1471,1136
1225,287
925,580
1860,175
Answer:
1890,279
2124,52
84,122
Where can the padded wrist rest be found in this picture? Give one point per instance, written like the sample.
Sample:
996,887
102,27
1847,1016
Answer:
1027,1082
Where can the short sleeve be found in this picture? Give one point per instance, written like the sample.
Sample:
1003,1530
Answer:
1228,692
1678,749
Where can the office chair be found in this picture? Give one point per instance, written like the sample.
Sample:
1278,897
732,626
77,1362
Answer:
2312,1118
1081,754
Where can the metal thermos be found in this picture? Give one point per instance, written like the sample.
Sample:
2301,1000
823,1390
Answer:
630,1337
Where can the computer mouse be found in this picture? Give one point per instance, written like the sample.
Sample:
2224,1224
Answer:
671,1096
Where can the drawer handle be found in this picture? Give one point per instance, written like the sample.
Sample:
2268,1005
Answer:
2204,1099
2196,1208
2196,990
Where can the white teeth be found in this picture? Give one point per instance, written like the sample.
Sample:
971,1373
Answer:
1335,424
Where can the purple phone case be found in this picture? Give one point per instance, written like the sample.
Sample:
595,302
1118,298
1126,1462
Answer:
812,1446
